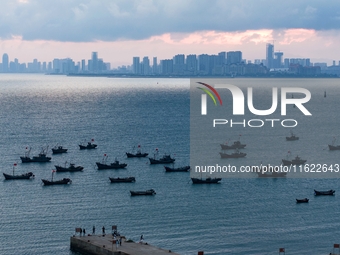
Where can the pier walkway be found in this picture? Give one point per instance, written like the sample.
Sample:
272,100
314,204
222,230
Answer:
104,245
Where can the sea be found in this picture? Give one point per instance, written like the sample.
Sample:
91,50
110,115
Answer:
238,216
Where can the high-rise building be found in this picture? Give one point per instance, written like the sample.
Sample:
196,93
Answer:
167,66
203,64
146,66
191,64
222,58
5,64
179,64
277,62
83,65
269,55
136,65
286,63
94,62
154,66
234,57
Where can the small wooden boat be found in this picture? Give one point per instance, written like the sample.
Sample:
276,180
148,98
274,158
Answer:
62,181
149,192
89,146
292,137
58,150
115,165
305,200
18,177
178,169
206,181
125,179
59,182
324,193
24,176
70,168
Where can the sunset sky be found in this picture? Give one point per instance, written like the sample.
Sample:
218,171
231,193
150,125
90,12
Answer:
121,29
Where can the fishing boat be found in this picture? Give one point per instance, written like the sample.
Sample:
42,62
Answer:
70,168
292,137
149,192
58,150
206,181
124,179
18,177
166,159
58,182
138,154
333,147
177,169
115,165
88,146
234,146
304,200
40,158
296,161
324,193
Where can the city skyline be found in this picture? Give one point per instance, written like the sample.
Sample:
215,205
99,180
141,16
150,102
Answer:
121,30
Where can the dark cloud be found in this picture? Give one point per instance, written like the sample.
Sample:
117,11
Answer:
107,20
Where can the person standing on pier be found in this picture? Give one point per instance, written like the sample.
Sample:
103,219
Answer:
120,241
93,230
103,228
84,232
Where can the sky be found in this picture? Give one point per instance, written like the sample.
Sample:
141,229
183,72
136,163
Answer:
121,29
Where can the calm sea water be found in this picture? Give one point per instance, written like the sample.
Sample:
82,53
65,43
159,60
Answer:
239,216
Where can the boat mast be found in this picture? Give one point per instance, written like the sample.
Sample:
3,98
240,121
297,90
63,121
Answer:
14,165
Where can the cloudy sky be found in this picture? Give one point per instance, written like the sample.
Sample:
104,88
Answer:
121,29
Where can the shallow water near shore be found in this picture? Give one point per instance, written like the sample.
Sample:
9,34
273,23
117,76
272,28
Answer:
238,216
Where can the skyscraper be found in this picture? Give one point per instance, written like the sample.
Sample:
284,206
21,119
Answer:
277,63
94,62
269,55
136,65
5,63
146,66
154,66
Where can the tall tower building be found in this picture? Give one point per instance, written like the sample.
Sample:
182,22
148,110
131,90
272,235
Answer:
5,67
192,63
278,60
269,55
94,62
136,65
154,66
146,66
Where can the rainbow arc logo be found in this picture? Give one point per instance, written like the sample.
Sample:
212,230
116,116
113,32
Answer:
204,97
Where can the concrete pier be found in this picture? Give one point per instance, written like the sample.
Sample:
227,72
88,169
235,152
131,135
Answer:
104,245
